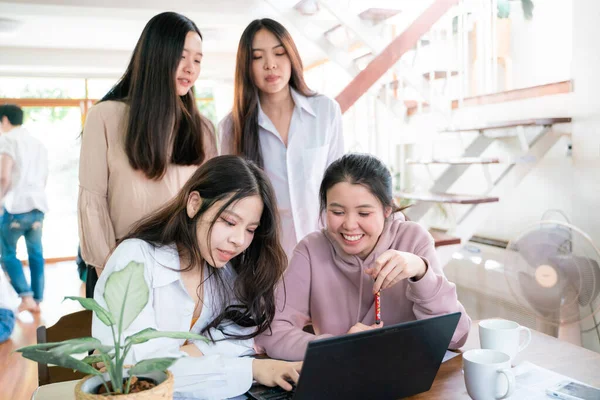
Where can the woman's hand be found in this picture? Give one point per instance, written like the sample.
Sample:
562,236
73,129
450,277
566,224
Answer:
358,327
393,266
99,365
276,373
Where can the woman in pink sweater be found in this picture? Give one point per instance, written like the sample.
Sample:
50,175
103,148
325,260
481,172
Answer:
367,246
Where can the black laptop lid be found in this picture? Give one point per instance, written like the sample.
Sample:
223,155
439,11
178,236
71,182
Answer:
388,363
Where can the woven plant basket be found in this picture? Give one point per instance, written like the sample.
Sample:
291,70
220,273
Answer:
163,391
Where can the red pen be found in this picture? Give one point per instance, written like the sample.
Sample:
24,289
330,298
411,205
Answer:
378,307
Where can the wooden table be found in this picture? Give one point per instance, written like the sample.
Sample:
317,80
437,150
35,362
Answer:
544,351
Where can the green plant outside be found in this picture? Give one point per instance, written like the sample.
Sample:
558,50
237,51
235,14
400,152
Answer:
504,8
126,294
52,114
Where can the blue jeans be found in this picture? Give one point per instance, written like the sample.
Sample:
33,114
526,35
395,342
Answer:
29,225
7,324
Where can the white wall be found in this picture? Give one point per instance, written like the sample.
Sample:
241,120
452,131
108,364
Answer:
541,48
223,95
586,129
548,186
586,111
570,183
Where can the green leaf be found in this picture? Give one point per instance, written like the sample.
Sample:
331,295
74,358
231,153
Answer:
80,345
62,360
96,358
527,8
152,364
503,8
126,294
92,305
151,333
40,346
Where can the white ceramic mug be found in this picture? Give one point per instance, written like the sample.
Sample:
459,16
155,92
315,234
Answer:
504,336
488,375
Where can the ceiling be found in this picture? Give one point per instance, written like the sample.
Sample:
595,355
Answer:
79,38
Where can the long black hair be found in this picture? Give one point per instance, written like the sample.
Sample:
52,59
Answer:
359,169
159,121
259,268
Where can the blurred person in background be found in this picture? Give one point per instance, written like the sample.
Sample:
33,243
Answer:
7,306
23,177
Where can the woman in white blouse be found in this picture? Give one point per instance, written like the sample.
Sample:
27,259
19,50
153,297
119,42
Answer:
212,259
283,126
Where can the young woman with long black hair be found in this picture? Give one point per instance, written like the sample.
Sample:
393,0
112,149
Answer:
144,139
279,123
211,259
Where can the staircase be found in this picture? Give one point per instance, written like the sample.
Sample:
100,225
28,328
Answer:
368,45
380,50
481,205
441,238
455,161
448,198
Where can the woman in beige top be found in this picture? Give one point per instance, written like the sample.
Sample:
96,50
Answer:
144,139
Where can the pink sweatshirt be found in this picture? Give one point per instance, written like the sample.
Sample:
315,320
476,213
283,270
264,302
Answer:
328,288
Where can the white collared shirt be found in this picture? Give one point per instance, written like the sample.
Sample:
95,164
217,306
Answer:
315,140
29,172
223,371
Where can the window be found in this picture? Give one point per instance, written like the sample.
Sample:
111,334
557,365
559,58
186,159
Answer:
54,109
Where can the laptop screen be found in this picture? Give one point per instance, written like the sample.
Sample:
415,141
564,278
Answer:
388,363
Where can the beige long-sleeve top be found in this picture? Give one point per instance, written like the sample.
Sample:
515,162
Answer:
112,195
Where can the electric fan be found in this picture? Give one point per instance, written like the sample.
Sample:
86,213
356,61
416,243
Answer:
552,268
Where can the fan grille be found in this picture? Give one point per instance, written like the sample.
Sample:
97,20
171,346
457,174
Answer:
553,269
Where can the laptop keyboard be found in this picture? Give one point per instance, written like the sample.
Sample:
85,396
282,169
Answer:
268,393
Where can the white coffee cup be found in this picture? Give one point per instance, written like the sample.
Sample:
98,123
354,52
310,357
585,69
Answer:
504,336
488,375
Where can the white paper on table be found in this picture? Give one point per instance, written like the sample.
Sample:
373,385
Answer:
449,355
532,381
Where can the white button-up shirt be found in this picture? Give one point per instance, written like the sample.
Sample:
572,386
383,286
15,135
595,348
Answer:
315,140
223,371
29,171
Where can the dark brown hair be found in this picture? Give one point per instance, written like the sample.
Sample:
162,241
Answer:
13,113
259,268
359,169
159,121
245,98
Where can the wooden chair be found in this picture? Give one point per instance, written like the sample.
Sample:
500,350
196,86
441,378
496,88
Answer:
70,326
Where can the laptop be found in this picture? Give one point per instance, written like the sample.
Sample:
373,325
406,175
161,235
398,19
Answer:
389,363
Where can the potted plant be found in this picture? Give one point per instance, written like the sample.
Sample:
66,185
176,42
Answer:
126,294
